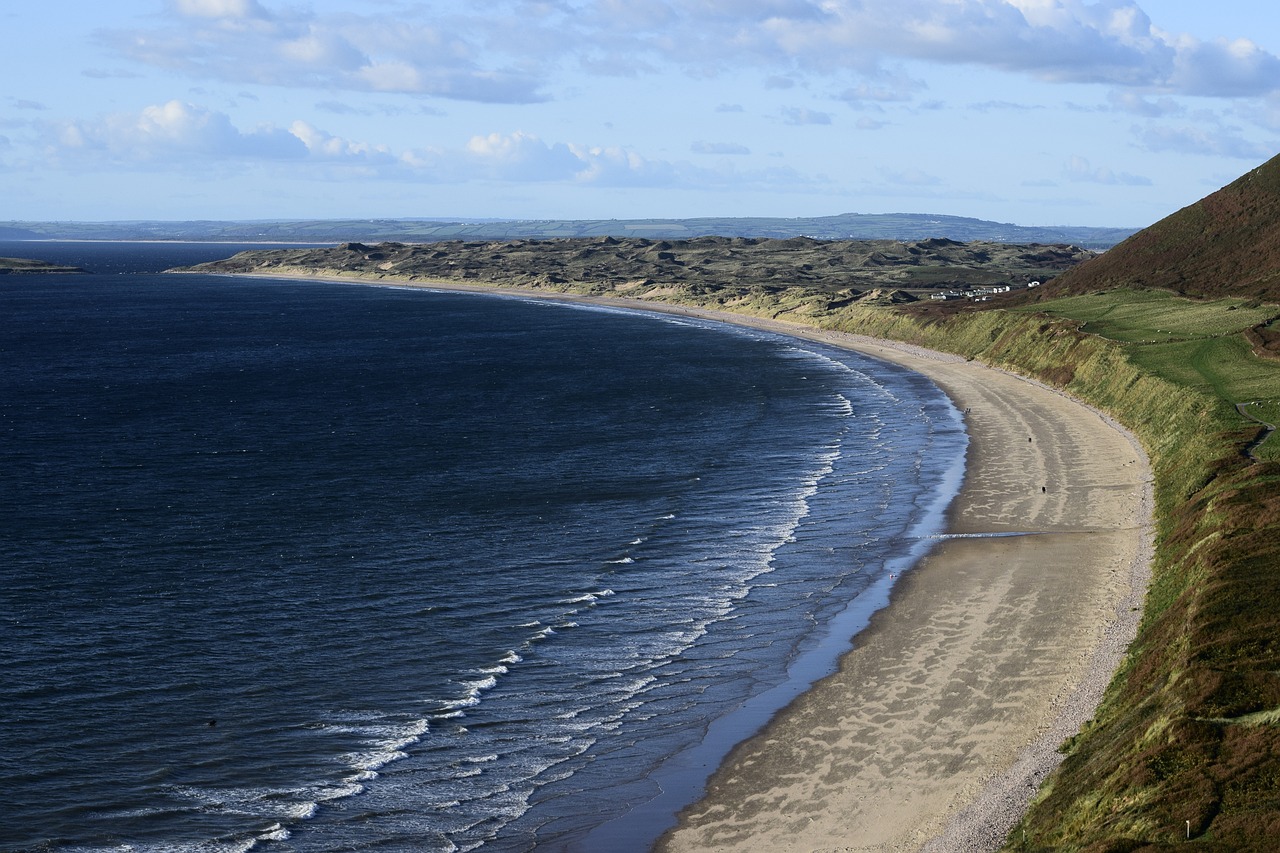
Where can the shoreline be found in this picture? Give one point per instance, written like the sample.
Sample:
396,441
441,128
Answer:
939,725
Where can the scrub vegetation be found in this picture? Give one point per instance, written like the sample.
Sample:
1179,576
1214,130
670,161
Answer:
14,266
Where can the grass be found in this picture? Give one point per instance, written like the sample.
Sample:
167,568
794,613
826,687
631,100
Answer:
1192,343
1154,316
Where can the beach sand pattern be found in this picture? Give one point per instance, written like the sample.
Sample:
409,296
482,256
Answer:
946,715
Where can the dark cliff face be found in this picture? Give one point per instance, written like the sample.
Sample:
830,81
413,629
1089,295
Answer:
1227,244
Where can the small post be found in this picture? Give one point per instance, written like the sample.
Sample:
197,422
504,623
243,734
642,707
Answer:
1188,830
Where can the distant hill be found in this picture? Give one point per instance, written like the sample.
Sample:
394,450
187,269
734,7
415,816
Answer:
1227,244
846,226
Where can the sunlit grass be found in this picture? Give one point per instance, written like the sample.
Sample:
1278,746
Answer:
1224,365
1193,343
1146,316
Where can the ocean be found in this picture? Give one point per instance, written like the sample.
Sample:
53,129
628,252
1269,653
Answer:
301,566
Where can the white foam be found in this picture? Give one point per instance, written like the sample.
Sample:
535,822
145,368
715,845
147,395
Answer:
592,597
338,792
373,759
275,832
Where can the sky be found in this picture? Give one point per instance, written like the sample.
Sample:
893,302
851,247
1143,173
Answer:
1033,112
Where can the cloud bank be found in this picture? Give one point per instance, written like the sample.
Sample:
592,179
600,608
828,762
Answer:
171,134
510,51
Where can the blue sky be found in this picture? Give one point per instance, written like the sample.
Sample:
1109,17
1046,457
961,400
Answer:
1037,112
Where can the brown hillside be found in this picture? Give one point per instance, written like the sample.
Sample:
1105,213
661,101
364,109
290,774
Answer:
1227,244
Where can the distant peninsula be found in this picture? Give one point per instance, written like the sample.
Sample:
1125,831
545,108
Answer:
724,270
844,226
10,266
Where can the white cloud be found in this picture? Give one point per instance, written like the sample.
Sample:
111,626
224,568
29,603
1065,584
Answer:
182,137
1079,170
325,146
511,51
172,131
1268,116
719,148
1132,102
241,41
524,157
1225,68
1205,138
803,116
1004,106
219,8
911,178
882,92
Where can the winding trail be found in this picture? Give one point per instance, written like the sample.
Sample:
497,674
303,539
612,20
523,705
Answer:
1267,429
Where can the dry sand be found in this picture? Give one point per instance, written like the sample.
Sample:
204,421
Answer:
942,721
945,716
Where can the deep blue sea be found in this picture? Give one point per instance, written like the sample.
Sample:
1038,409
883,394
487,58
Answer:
298,566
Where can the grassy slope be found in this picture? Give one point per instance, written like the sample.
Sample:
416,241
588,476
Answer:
1193,343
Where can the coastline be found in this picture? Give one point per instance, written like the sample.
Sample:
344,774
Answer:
939,725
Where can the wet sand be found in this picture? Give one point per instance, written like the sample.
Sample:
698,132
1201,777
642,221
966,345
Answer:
945,716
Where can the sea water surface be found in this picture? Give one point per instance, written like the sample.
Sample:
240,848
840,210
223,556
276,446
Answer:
320,567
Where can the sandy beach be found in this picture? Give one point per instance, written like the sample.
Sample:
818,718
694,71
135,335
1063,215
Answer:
945,716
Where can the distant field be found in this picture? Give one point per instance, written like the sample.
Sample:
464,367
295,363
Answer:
1193,343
